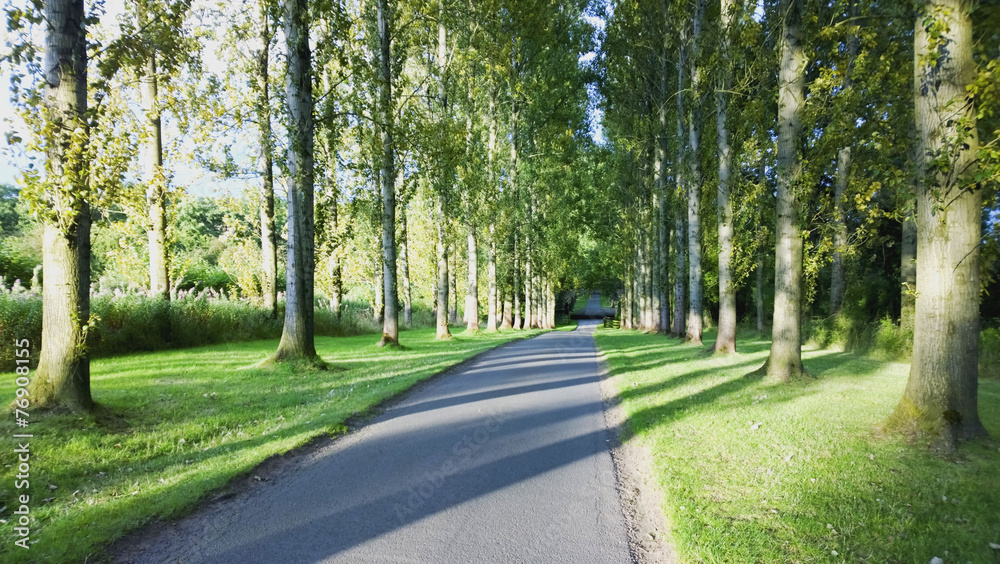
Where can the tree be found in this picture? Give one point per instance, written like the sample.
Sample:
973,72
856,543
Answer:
695,289
268,235
390,321
444,185
297,334
940,400
785,360
725,341
156,182
62,378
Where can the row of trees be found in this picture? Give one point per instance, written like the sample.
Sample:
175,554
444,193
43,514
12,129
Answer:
835,124
476,113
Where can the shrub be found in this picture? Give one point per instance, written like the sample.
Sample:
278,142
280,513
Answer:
989,353
126,322
882,338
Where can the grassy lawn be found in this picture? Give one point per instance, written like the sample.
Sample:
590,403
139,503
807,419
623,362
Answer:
186,422
798,473
605,301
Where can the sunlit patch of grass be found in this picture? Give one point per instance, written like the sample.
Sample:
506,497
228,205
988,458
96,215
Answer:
757,472
178,425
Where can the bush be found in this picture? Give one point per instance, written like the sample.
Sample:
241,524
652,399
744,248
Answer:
882,338
989,353
133,322
20,318
15,265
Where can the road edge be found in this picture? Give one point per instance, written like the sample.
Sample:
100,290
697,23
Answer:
638,492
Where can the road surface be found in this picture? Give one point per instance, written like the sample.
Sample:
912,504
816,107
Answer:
504,461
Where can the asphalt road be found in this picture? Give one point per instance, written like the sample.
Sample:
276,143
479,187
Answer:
504,461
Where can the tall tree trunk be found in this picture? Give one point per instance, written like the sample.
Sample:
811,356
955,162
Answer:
758,296
518,321
442,268
837,280
297,335
472,291
839,231
725,341
641,275
453,285
940,400
785,360
404,257
492,304
443,188
529,292
63,375
695,291
660,188
491,271
268,234
680,267
390,322
378,309
550,293
156,189
508,306
680,297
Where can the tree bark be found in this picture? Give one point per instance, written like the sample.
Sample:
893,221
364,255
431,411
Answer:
940,400
404,257
297,338
472,291
268,234
508,307
529,291
62,378
785,360
837,278
390,321
725,341
839,231
442,267
518,321
443,188
156,189
680,265
491,270
758,296
695,291
681,178
453,285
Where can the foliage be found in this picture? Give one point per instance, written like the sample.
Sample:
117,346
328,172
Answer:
989,353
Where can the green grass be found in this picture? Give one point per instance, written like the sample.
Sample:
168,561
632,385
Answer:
605,301
815,482
186,422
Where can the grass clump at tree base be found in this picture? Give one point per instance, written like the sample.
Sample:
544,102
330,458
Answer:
799,472
175,426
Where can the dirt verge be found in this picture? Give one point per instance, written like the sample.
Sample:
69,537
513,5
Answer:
640,495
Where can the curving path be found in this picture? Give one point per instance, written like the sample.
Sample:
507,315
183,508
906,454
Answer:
504,461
